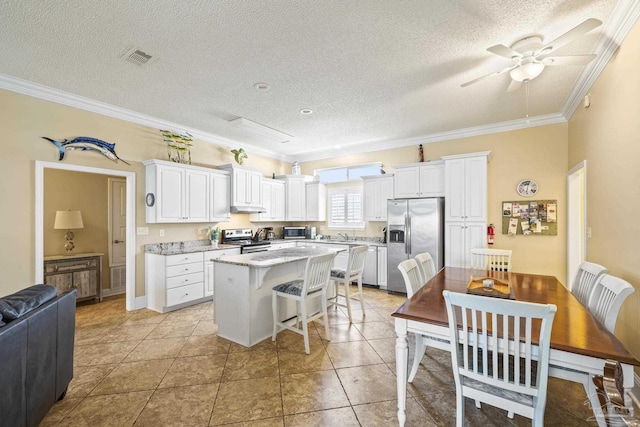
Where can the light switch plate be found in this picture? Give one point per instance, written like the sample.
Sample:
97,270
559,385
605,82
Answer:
142,231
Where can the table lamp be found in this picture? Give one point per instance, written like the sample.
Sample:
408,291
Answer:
68,220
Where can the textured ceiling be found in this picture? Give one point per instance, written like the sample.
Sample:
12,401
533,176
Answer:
374,72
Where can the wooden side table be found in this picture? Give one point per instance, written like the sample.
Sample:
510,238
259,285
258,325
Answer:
82,272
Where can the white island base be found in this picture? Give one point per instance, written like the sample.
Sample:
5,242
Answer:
243,292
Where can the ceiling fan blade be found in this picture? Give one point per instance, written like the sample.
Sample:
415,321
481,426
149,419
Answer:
574,33
568,60
495,73
505,52
514,85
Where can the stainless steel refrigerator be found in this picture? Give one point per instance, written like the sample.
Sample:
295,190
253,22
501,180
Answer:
414,226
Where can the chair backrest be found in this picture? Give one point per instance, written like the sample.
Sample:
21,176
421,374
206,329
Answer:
586,278
355,265
481,323
426,266
491,259
316,273
606,299
411,275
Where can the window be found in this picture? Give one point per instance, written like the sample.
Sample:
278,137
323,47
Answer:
348,173
345,208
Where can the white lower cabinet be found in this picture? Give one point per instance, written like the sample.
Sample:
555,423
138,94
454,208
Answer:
460,238
382,267
209,267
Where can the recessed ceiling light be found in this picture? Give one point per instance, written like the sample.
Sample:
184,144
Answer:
306,111
262,86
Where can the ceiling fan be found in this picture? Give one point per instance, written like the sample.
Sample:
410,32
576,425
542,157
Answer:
529,55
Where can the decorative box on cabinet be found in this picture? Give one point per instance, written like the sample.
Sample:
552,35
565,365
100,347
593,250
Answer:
316,201
377,190
245,186
295,196
273,201
209,267
419,180
82,272
465,206
174,281
178,193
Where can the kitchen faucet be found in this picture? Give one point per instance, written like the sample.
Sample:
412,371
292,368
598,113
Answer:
345,236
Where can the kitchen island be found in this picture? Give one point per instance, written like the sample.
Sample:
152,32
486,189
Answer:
243,284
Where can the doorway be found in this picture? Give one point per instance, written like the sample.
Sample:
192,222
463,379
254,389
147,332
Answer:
117,235
132,302
576,219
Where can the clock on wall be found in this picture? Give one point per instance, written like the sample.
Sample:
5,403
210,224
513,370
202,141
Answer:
527,188
150,199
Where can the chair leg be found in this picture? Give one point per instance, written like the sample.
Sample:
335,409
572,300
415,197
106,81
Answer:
421,348
274,308
459,407
327,334
510,415
360,294
346,296
305,326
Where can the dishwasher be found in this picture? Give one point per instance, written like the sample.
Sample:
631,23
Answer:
370,272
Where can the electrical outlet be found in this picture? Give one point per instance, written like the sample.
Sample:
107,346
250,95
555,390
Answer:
142,231
161,233
588,232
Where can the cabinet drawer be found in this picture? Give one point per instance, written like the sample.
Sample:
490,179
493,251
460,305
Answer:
63,266
181,269
184,258
184,294
187,279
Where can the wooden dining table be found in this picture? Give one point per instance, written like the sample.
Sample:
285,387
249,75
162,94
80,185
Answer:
580,345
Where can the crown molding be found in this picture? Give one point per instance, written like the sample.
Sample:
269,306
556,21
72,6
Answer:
366,147
36,90
624,16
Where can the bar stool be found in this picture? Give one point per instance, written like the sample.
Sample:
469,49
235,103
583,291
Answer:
353,273
314,285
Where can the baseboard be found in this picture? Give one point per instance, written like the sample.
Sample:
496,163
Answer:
141,302
111,292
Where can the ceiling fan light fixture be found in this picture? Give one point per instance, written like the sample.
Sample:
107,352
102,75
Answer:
527,71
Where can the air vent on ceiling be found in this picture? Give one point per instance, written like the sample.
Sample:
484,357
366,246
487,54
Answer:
138,57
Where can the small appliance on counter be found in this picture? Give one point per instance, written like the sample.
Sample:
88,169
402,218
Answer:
294,233
269,233
311,233
384,235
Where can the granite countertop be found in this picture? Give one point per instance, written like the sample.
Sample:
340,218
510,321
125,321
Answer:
347,242
276,257
177,248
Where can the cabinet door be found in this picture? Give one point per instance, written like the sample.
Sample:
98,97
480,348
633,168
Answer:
407,182
170,194
254,188
197,196
86,282
62,282
316,202
454,175
208,278
278,201
371,189
455,245
476,188
476,237
385,193
220,202
296,200
267,201
382,267
432,180
239,194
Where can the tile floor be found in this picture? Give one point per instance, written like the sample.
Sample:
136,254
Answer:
143,368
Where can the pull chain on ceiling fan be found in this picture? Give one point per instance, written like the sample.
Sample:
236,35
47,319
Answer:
530,56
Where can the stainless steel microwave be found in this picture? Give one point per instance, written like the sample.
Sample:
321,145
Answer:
294,232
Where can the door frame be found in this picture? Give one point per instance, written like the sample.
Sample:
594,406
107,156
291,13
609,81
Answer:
576,213
130,177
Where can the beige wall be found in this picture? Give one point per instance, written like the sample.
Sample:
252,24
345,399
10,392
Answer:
84,192
538,153
606,136
24,120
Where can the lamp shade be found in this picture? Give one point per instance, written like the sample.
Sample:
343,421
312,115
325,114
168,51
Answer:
67,220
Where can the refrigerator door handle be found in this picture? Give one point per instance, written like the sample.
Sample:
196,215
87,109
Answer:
407,245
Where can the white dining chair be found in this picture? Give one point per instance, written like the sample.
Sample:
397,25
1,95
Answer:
510,374
314,285
491,259
426,266
353,273
606,299
413,281
586,278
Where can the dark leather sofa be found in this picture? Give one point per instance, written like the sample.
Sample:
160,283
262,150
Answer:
36,352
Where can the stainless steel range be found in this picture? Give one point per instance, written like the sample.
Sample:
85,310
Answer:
243,237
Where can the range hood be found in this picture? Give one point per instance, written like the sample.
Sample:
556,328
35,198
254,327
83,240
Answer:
247,209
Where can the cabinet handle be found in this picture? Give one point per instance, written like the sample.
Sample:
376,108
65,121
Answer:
55,268
88,263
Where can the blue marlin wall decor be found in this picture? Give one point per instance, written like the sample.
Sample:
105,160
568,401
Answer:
86,143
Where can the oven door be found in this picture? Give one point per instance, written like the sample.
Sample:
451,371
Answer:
255,247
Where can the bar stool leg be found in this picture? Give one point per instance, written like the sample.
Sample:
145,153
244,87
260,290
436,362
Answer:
305,327
274,308
360,294
327,334
347,297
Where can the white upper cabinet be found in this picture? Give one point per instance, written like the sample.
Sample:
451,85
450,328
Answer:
316,201
273,201
220,198
176,192
466,187
245,186
377,190
295,196
419,180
